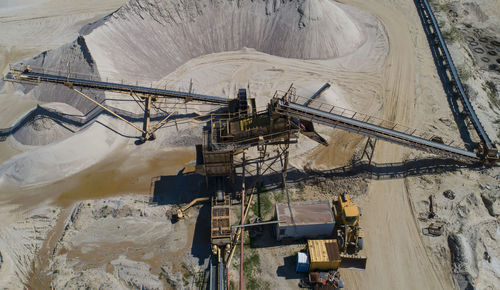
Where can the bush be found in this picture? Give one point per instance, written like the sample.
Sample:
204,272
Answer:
451,35
464,73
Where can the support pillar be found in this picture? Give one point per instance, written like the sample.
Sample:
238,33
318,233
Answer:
369,149
147,119
285,162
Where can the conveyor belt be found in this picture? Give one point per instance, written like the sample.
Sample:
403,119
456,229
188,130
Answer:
375,131
221,273
217,280
212,282
425,7
83,83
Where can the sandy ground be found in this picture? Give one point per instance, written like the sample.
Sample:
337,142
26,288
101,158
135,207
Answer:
73,224
395,249
31,27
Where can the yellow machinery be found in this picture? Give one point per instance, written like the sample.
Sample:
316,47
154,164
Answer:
321,263
180,211
323,255
349,234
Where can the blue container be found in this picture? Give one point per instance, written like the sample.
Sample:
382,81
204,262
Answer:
302,263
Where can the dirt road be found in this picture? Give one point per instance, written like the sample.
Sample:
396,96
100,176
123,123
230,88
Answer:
397,258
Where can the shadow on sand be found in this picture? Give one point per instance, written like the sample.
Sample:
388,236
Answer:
181,189
446,79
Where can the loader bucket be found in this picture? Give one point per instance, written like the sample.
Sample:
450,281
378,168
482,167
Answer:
353,262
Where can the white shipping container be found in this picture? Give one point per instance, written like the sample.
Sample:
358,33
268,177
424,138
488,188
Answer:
306,219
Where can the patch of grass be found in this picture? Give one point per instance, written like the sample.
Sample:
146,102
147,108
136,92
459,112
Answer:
252,283
451,35
279,196
232,285
188,271
257,284
198,281
252,263
266,204
464,73
169,281
252,269
246,240
186,275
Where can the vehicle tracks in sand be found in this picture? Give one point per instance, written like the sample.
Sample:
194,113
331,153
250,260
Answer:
397,257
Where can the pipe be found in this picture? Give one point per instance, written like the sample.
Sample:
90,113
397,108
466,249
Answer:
242,223
157,126
256,224
317,94
108,110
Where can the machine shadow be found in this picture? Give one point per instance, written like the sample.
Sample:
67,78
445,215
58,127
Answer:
287,270
201,237
375,171
177,189
181,189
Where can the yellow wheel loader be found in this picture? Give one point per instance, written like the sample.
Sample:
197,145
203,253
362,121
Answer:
349,234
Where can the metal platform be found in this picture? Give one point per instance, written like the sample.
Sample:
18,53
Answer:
220,221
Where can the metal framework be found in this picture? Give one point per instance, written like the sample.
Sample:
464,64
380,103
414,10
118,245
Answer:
365,127
369,149
144,96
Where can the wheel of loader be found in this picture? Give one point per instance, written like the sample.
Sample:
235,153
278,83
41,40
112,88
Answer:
360,244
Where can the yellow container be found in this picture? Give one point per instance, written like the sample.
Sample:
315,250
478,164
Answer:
324,255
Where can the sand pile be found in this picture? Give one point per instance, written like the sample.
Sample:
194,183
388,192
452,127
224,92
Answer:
155,37
73,57
46,124
39,126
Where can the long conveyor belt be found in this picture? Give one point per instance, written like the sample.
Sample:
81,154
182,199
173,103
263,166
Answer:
35,77
423,6
334,120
